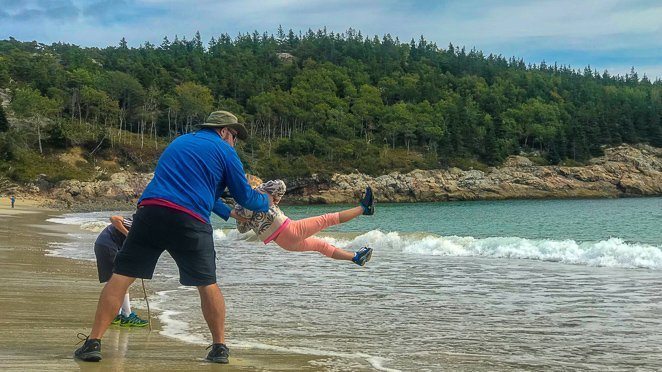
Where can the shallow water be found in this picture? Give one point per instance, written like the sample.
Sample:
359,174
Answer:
508,285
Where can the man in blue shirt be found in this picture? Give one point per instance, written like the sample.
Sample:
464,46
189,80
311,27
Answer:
173,215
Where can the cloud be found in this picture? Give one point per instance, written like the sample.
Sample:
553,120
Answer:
566,21
601,33
12,5
112,12
38,10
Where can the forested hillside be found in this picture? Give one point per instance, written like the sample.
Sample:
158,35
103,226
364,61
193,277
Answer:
315,103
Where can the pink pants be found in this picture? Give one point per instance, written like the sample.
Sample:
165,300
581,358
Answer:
297,235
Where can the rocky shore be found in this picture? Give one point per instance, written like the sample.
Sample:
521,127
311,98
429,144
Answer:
622,172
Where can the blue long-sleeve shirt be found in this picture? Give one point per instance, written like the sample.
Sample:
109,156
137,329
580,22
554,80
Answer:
193,172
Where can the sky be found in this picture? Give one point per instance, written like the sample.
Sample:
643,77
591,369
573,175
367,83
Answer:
613,35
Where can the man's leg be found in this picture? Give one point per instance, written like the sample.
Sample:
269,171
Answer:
110,300
213,309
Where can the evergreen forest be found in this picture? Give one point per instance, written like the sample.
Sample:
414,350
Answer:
314,102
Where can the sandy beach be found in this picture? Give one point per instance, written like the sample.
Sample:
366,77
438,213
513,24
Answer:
45,301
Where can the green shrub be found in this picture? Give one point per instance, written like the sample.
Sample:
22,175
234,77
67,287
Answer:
400,160
538,160
467,164
283,167
29,165
65,133
9,145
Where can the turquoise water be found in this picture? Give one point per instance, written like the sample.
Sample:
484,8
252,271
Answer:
463,286
636,220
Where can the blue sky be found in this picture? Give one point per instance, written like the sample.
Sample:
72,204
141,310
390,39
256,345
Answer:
605,34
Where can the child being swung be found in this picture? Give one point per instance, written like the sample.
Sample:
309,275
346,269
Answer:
296,235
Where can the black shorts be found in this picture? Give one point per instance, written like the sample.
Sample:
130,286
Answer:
105,254
156,229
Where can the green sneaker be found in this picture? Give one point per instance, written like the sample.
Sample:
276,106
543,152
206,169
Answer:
133,320
117,320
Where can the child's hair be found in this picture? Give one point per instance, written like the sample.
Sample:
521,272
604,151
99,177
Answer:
275,188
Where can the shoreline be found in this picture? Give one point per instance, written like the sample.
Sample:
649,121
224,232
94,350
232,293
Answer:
47,300
623,171
42,203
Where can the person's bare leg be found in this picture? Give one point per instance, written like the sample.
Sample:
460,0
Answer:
350,214
212,303
110,300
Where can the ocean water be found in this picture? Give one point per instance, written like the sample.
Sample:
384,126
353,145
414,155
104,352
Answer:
475,286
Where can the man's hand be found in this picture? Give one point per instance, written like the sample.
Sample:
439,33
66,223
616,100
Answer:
238,217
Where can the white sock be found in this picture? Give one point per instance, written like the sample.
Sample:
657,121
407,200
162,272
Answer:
126,306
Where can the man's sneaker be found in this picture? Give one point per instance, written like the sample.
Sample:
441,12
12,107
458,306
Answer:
90,351
133,320
117,320
368,202
362,256
219,353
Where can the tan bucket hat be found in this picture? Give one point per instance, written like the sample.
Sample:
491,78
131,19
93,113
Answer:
220,119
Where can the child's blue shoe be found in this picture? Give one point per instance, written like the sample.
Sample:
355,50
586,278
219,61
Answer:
368,202
362,256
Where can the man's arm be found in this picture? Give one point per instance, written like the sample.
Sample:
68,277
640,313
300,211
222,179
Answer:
241,191
221,209
117,222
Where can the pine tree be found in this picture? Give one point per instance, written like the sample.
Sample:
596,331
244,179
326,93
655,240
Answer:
4,124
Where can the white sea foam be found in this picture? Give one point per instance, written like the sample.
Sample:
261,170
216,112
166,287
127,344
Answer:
176,328
613,252
80,247
375,362
70,219
378,364
93,222
90,221
68,250
94,226
172,307
173,325
219,235
230,235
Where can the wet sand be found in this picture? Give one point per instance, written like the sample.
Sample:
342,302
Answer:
46,301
